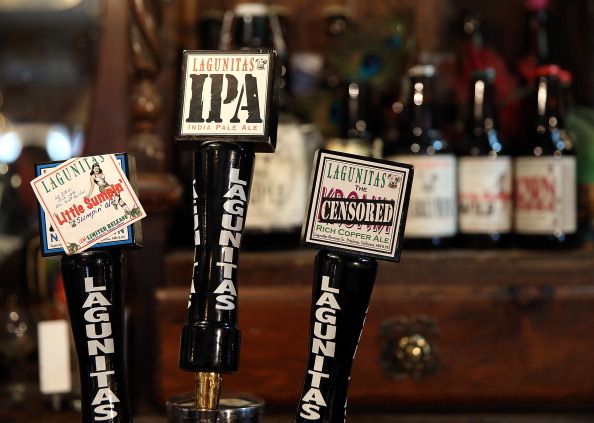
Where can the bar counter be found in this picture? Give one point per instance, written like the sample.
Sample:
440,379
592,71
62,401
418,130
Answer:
73,417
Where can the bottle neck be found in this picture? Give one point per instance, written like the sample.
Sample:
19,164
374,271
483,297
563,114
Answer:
472,30
253,32
537,35
209,29
421,113
482,116
267,30
357,104
548,105
567,97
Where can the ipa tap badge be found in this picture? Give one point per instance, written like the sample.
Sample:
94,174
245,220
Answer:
358,205
229,95
87,201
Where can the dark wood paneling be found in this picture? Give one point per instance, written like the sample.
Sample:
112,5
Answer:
513,331
108,121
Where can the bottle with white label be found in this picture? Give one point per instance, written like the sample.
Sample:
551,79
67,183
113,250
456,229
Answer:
484,171
432,213
545,171
279,185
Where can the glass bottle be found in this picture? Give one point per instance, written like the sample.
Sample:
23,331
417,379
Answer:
432,213
208,28
484,171
355,121
279,186
536,38
566,79
545,171
337,23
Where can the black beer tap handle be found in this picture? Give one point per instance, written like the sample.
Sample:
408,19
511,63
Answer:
210,340
341,293
93,281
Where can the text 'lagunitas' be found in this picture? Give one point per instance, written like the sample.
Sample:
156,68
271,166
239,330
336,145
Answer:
230,240
99,344
324,347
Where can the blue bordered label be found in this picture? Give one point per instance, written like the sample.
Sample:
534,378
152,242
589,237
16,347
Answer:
126,236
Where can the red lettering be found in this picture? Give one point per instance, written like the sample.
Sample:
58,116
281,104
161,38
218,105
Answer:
535,193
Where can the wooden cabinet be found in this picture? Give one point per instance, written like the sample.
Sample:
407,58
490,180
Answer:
456,329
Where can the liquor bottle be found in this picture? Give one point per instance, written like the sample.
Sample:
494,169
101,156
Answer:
545,171
432,214
537,48
337,23
566,79
207,33
484,171
355,121
476,53
279,185
209,28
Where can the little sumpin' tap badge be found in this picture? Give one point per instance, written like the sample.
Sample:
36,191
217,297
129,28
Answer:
86,200
358,205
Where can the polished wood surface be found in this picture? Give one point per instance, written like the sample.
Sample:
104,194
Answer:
358,418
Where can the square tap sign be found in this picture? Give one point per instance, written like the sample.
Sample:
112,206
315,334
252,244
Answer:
358,205
87,201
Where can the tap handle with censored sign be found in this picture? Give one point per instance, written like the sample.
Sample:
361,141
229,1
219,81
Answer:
356,215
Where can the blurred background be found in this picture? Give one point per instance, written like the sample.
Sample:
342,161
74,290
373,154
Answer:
489,314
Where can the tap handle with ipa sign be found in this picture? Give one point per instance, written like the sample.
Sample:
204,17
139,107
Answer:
228,111
95,212
356,214
210,340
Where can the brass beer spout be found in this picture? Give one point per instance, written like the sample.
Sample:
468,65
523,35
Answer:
207,390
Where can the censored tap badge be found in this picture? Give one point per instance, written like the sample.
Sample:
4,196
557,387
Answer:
357,205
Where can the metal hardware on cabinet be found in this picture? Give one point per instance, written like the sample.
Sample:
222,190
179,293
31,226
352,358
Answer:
408,347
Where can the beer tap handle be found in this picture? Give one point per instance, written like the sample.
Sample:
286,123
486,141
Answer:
93,230
341,293
94,285
210,340
356,214
228,111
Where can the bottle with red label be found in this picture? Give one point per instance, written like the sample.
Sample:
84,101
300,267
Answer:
432,213
545,171
484,171
536,38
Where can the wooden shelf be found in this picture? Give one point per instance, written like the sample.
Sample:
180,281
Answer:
510,329
494,267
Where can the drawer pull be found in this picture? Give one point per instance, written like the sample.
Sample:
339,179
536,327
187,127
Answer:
408,347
